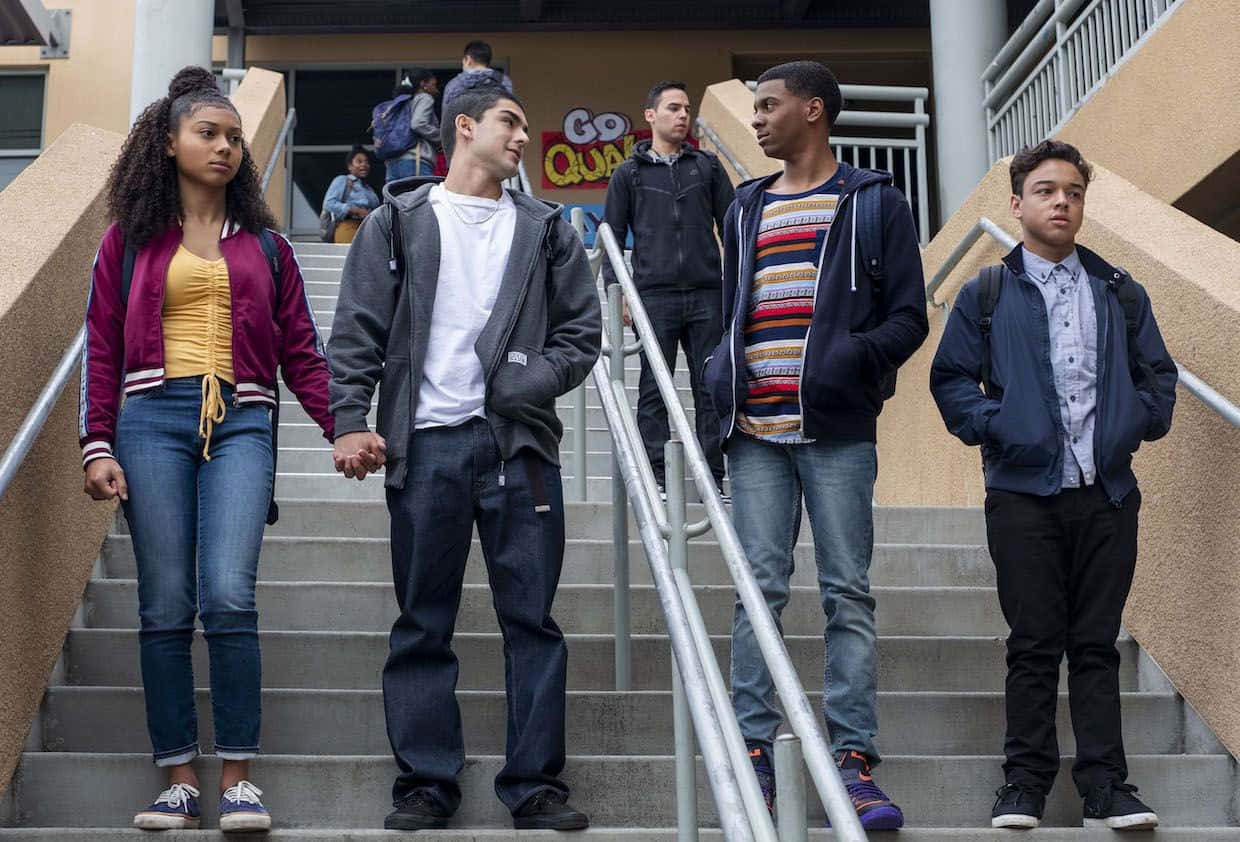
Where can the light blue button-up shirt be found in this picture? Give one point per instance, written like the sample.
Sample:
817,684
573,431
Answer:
1073,325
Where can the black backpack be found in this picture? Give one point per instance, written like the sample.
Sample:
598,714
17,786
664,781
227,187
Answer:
869,211
990,285
268,243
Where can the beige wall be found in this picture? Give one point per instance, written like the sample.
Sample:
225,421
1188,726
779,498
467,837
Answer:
52,531
1170,115
261,105
92,85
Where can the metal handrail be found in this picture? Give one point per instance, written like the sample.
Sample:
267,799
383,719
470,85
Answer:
33,423
726,153
684,448
290,120
1227,410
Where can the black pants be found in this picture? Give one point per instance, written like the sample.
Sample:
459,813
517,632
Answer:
694,319
1065,565
456,480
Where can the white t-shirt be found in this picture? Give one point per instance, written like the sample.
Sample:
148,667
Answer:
475,236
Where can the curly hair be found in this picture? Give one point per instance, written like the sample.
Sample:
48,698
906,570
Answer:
143,194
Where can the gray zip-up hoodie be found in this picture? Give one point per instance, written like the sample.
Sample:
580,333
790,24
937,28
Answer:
541,340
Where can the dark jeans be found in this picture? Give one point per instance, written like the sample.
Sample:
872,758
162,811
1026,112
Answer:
456,479
694,319
1065,565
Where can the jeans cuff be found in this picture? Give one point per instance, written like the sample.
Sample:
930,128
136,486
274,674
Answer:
224,753
178,757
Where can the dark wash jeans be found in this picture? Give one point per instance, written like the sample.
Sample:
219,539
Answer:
456,479
1065,565
694,319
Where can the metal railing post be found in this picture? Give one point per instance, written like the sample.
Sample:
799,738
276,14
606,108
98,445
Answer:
678,558
619,503
923,200
790,792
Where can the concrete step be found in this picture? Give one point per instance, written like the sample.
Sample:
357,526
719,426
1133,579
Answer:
579,609
308,434
112,719
292,412
330,487
589,562
919,526
354,660
594,834
54,789
316,459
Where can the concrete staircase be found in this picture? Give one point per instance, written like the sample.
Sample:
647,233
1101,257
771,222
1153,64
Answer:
326,606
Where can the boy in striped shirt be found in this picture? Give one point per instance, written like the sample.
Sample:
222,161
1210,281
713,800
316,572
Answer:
808,356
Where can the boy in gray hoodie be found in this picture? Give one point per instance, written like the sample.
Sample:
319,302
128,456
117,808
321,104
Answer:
474,308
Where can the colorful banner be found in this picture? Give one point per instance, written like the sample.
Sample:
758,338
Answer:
585,153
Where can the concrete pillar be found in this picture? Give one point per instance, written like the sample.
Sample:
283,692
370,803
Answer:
964,37
167,35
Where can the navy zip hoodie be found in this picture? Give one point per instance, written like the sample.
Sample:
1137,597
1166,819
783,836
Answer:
853,342
1019,426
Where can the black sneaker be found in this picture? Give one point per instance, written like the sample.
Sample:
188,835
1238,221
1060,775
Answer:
417,811
1017,807
764,770
1116,806
548,810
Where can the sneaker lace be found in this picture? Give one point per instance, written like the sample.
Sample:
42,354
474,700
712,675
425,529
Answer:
176,795
243,792
1019,789
864,792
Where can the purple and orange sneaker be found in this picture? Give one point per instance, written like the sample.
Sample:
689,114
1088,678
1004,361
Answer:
874,808
764,770
176,808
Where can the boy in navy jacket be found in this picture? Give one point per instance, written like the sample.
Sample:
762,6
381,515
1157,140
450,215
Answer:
809,352
1074,376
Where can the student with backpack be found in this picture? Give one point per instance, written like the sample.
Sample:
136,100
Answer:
476,72
405,129
1073,377
194,303
673,196
823,298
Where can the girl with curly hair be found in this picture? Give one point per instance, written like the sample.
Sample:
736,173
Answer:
194,303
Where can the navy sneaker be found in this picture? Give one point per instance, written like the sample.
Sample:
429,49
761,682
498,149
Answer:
874,808
1017,806
764,770
241,811
176,808
1116,806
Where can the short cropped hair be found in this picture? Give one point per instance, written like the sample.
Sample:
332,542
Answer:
652,98
479,51
809,79
472,103
1027,160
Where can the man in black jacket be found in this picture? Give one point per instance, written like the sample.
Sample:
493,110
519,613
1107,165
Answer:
672,195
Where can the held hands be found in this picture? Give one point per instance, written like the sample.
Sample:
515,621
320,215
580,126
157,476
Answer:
105,479
358,454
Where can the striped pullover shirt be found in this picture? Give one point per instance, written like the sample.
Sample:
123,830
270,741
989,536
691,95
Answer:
791,237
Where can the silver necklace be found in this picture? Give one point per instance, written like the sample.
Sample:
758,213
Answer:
461,217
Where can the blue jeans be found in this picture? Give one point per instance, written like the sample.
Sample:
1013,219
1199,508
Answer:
836,480
456,479
407,167
197,527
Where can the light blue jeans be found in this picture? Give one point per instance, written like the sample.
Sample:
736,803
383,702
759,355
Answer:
197,528
836,481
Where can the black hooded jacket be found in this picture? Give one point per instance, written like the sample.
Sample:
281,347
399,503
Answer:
673,211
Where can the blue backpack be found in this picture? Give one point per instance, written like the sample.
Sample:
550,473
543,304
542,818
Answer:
390,124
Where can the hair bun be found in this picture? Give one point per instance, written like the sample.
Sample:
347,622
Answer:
190,80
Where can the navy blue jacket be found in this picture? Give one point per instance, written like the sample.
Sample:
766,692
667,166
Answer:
1019,427
852,344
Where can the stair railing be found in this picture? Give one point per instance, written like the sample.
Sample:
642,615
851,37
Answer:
32,424
665,532
1071,55
1227,410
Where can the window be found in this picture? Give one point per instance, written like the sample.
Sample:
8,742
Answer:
21,130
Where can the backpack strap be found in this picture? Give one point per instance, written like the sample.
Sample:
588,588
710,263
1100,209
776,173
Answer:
990,284
127,274
1130,302
869,211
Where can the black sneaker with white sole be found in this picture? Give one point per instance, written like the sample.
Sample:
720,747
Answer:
418,811
1116,806
1017,807
548,810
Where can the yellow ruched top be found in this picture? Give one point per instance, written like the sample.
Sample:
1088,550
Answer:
197,325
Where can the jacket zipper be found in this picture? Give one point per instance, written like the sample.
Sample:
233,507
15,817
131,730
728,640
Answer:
1100,388
736,309
516,311
817,281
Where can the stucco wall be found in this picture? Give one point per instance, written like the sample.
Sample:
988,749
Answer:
52,531
260,101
